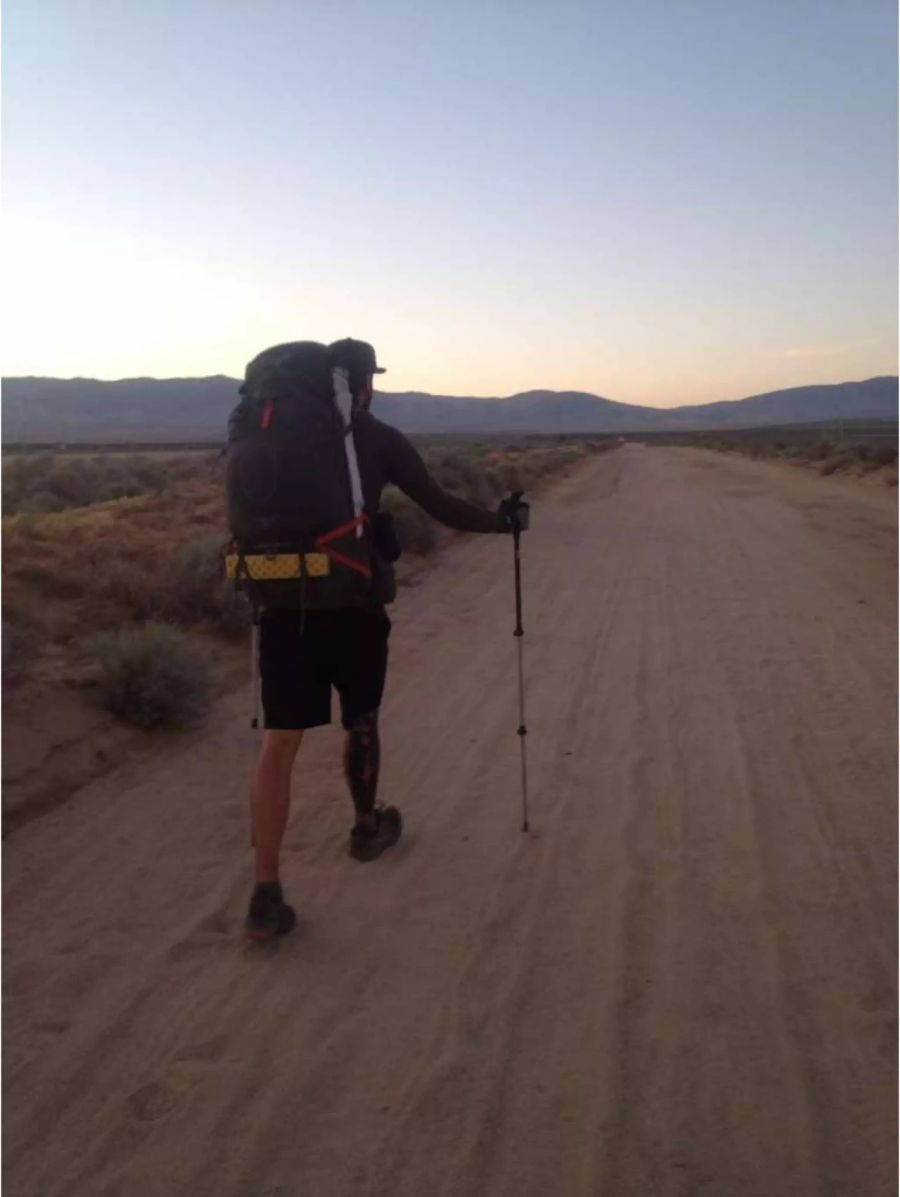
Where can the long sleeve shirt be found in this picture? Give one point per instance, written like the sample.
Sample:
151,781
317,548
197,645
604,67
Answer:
386,456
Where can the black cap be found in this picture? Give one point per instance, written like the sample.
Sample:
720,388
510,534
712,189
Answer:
358,356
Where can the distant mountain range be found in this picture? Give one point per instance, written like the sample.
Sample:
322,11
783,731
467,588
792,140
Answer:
196,409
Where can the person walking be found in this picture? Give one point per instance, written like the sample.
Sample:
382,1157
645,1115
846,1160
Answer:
319,634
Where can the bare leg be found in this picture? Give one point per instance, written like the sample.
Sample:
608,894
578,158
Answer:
272,799
362,758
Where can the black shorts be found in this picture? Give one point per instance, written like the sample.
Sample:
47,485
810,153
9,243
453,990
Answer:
300,662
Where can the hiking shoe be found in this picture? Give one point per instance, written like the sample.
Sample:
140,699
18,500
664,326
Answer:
269,915
369,843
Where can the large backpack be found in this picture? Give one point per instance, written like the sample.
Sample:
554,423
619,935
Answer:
295,504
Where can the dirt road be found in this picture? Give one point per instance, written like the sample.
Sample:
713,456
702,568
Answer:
681,983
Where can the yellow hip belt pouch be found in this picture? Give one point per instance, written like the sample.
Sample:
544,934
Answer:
276,567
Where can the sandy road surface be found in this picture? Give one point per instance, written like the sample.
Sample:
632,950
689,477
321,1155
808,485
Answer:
681,983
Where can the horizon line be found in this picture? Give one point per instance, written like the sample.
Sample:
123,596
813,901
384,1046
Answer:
461,398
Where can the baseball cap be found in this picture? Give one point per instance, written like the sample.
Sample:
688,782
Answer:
358,356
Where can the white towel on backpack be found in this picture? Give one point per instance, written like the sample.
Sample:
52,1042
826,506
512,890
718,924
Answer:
343,400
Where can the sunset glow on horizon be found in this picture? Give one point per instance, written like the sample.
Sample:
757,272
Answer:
658,203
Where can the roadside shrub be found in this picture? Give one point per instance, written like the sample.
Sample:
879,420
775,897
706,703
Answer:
481,478
151,676
519,475
839,461
821,451
415,530
876,458
493,480
17,471
195,570
461,475
42,502
195,589
147,473
125,587
558,459
51,583
76,482
46,482
30,527
446,469
884,455
231,613
474,485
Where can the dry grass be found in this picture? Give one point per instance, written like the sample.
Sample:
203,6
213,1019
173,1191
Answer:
91,568
196,592
860,457
157,556
482,475
41,483
838,461
415,531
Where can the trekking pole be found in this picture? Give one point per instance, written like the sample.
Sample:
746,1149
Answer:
519,633
254,696
254,671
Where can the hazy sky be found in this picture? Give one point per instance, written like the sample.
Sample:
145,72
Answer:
660,201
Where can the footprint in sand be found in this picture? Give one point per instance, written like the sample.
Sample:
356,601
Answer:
207,1051
53,1026
21,980
211,931
215,924
159,1098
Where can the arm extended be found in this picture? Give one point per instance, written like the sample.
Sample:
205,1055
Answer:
407,470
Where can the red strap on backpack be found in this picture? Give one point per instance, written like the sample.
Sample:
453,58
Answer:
345,529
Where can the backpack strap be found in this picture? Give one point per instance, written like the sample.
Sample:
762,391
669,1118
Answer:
324,543
343,400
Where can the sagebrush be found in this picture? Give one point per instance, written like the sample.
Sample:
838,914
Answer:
152,676
195,589
43,483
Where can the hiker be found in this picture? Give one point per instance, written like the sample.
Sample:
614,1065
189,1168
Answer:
322,618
